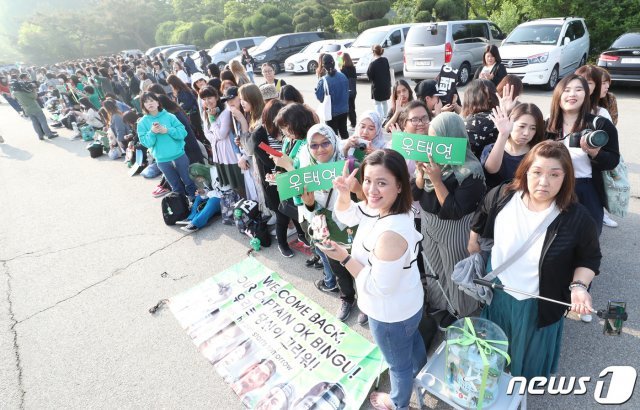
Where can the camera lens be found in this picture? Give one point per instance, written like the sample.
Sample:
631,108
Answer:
597,138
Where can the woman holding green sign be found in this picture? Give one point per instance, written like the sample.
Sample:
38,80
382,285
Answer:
319,210
294,121
448,196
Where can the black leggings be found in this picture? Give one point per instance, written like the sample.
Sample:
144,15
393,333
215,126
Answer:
345,281
282,224
352,110
339,125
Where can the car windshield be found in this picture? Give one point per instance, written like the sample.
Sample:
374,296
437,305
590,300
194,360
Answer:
369,39
330,48
629,40
218,47
542,34
266,45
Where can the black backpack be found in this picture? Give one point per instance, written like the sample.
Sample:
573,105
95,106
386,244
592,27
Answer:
175,207
95,149
258,228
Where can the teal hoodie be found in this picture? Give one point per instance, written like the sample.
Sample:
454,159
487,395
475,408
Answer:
164,147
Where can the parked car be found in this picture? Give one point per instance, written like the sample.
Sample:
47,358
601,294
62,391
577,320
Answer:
543,51
276,49
391,38
131,53
167,52
154,51
224,51
180,53
459,44
306,61
622,58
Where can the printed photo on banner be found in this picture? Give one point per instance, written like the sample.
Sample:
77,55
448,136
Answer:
314,178
443,150
273,346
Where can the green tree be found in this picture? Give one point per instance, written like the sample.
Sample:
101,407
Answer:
344,22
404,11
268,20
424,10
214,34
164,32
312,17
449,10
370,13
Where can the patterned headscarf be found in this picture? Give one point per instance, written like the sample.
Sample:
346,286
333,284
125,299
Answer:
378,142
328,132
448,124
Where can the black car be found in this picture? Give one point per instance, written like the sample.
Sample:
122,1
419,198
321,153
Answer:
275,49
622,59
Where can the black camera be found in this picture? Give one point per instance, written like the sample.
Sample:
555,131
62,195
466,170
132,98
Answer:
594,138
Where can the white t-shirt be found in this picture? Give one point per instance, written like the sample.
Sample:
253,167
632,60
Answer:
514,225
388,291
581,160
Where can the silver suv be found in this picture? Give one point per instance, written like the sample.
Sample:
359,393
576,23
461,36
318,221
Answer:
460,44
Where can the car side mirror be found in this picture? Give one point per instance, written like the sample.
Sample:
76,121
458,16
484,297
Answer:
387,43
566,41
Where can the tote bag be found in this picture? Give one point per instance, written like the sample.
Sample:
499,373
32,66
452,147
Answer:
324,109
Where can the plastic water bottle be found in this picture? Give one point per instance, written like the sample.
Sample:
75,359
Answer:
74,125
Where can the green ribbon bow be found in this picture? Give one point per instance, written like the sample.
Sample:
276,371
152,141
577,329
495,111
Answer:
485,347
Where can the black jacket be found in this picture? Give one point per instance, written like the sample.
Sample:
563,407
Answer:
380,77
608,157
462,200
571,241
350,73
265,166
498,71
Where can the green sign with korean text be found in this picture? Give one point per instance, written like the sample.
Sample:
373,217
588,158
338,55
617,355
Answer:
314,177
443,150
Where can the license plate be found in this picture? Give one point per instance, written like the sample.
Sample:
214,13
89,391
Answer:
423,62
633,60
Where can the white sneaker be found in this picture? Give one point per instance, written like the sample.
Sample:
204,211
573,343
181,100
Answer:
586,318
607,221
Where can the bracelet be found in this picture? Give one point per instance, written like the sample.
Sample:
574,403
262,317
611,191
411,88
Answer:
579,282
577,285
346,260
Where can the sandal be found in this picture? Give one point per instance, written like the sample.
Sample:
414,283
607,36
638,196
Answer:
379,401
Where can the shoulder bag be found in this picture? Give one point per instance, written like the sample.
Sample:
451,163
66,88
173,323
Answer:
324,110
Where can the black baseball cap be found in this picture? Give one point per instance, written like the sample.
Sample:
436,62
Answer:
230,94
428,88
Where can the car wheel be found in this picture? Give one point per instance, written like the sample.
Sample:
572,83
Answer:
464,74
221,65
275,66
583,61
312,66
553,79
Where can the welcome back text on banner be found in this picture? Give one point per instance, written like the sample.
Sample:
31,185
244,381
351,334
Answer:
273,345
443,150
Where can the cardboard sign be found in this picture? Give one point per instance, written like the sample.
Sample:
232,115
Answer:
443,150
315,178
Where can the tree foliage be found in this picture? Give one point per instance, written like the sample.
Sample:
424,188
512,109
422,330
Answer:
311,17
370,13
344,22
268,20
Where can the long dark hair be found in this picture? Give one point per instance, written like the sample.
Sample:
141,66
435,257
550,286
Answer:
396,164
493,50
394,97
548,149
554,125
593,73
291,93
177,84
269,114
476,99
532,110
149,96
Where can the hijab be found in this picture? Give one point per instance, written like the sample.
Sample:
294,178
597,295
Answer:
448,124
326,131
378,142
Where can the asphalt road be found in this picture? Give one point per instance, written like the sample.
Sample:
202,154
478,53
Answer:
83,250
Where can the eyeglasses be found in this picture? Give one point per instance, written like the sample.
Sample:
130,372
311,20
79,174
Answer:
419,120
324,145
554,176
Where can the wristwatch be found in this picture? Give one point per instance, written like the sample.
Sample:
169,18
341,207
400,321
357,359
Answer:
345,260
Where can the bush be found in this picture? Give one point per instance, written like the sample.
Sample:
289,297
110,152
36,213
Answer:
365,25
370,10
344,21
449,9
213,35
164,32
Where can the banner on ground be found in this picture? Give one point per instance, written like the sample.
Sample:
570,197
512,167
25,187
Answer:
314,177
443,150
275,347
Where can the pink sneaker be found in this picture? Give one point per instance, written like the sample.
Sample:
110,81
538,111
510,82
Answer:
160,191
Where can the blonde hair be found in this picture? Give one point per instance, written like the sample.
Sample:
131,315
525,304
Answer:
239,73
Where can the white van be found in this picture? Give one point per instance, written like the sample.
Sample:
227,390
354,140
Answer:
222,52
460,44
543,51
391,38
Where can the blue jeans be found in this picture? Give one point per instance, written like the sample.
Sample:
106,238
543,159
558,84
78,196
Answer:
200,219
329,277
404,351
250,75
382,108
177,173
